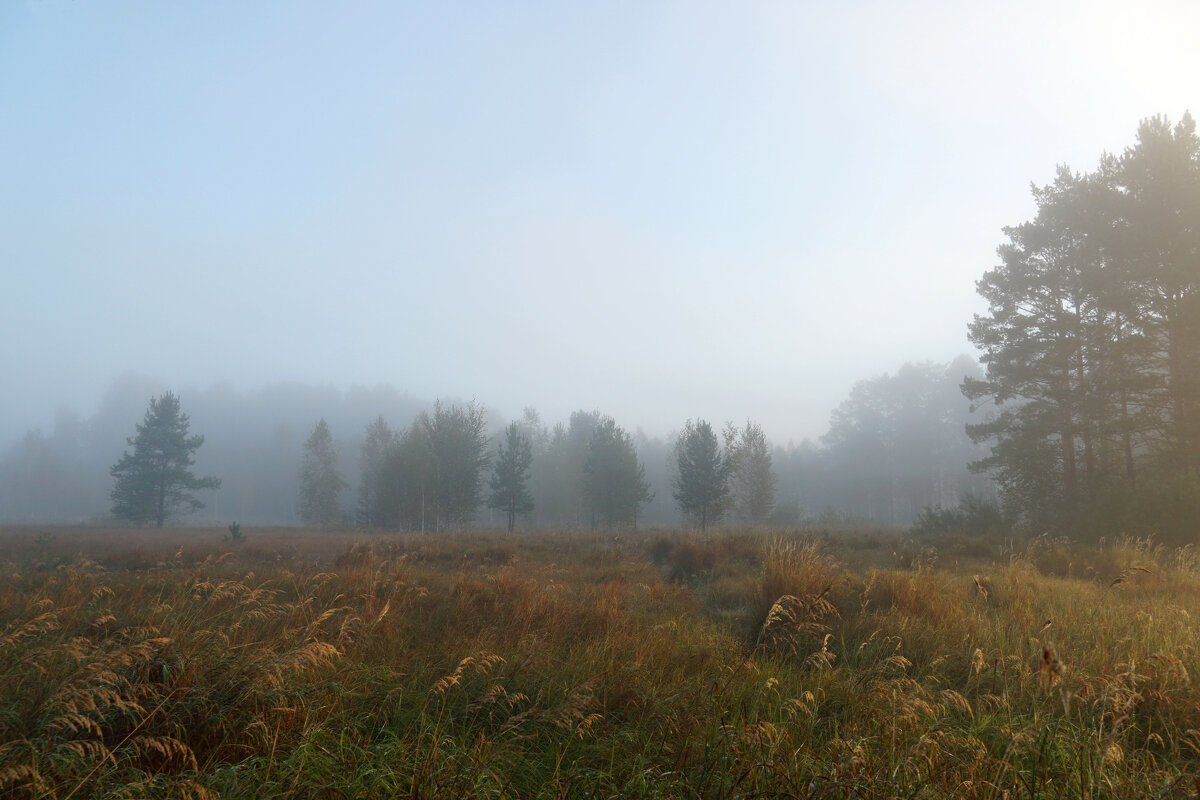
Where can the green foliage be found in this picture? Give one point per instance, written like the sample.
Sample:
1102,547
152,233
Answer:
432,475
558,480
973,515
459,458
510,493
1092,338
235,534
370,511
155,481
702,487
752,480
321,484
614,482
405,478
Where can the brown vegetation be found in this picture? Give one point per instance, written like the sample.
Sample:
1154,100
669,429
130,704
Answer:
734,664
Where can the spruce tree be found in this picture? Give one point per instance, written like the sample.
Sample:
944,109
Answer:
320,482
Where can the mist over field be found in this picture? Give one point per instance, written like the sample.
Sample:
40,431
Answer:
570,400
776,216
255,442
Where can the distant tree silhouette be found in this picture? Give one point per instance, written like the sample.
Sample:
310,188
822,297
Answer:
458,446
510,492
156,480
752,479
614,482
702,487
320,482
371,492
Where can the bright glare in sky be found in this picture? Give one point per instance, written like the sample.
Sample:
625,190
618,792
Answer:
658,210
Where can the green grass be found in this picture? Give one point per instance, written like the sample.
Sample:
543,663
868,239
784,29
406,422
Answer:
655,664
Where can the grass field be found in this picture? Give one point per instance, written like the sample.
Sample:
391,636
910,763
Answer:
849,664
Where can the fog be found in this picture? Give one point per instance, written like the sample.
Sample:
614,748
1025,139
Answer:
896,446
660,212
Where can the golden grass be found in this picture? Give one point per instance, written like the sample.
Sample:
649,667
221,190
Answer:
737,664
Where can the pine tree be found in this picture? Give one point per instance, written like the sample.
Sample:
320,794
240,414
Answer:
320,483
1157,226
702,487
510,492
1092,344
1035,344
156,480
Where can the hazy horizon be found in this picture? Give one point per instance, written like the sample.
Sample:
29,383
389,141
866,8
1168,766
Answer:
659,211
153,387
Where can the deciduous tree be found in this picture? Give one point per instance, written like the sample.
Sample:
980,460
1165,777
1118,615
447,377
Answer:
458,445
406,480
752,479
510,492
558,479
614,482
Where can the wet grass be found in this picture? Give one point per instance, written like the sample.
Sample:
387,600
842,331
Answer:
811,664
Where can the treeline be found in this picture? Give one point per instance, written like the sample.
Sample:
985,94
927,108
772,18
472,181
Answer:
895,445
434,473
586,473
253,442
1087,416
1091,345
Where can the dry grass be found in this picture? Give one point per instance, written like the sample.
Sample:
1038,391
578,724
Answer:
343,664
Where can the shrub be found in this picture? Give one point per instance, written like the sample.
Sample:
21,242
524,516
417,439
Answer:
973,515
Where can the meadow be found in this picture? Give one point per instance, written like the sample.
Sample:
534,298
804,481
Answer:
661,664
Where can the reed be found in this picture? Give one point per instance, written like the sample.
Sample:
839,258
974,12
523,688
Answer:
732,665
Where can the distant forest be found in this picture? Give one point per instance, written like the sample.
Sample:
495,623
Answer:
895,446
1086,413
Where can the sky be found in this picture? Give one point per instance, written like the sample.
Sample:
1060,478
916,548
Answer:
661,210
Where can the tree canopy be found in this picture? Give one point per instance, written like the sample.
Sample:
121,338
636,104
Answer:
155,481
614,482
371,463
752,478
702,487
1091,344
509,481
432,475
458,443
321,484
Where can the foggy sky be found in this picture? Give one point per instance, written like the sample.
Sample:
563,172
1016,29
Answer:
659,210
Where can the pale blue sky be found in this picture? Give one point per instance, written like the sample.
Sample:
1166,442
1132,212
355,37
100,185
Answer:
661,210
